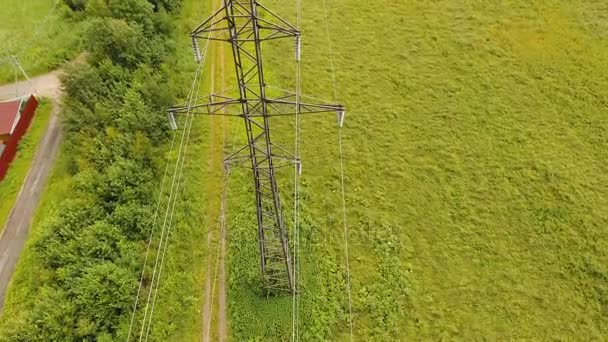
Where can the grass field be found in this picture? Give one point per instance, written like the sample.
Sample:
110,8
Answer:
476,151
41,43
11,184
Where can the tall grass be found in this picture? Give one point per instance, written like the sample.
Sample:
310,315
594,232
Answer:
476,170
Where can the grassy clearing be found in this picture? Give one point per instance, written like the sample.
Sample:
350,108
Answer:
476,171
11,184
47,44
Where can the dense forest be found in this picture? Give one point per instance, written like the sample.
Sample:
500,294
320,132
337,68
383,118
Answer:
115,127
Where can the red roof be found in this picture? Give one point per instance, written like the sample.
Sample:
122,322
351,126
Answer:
8,115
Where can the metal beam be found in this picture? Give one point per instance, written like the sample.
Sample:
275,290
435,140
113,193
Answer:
245,25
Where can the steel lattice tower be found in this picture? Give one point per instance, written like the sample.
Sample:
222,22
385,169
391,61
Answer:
245,25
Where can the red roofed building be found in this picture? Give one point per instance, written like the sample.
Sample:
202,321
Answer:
15,118
9,118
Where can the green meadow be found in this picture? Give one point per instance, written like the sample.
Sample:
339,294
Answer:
38,33
476,163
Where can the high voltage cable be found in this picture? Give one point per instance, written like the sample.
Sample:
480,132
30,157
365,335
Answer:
296,192
39,28
171,198
190,116
14,59
346,251
170,224
160,196
36,33
168,204
166,227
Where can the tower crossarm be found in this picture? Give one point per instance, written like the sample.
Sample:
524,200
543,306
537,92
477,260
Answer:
276,107
269,25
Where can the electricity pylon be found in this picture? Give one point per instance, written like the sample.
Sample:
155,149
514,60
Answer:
245,25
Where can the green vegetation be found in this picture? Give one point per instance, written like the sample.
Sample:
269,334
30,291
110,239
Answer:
84,258
185,268
11,184
476,149
476,160
42,43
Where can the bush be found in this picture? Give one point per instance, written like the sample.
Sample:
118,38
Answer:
117,40
76,5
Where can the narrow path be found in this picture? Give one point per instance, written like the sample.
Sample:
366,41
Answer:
214,313
207,302
221,316
17,226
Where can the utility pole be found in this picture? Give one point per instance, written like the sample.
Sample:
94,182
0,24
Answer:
245,25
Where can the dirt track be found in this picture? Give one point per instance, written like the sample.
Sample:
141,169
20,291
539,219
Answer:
17,226
216,239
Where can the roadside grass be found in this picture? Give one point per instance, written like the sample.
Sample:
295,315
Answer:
29,273
45,44
11,184
476,160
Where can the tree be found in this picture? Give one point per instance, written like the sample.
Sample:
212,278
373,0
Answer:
76,5
168,5
115,39
102,295
134,12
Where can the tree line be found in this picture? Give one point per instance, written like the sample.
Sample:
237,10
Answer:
115,131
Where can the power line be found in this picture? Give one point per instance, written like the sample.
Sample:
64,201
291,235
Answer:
162,235
190,117
14,59
345,227
296,186
160,196
39,28
171,197
169,226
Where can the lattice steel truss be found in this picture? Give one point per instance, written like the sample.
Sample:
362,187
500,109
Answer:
245,24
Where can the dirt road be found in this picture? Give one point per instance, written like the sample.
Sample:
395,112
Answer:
222,328
216,238
17,226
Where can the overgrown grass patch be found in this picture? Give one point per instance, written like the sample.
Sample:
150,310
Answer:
475,149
